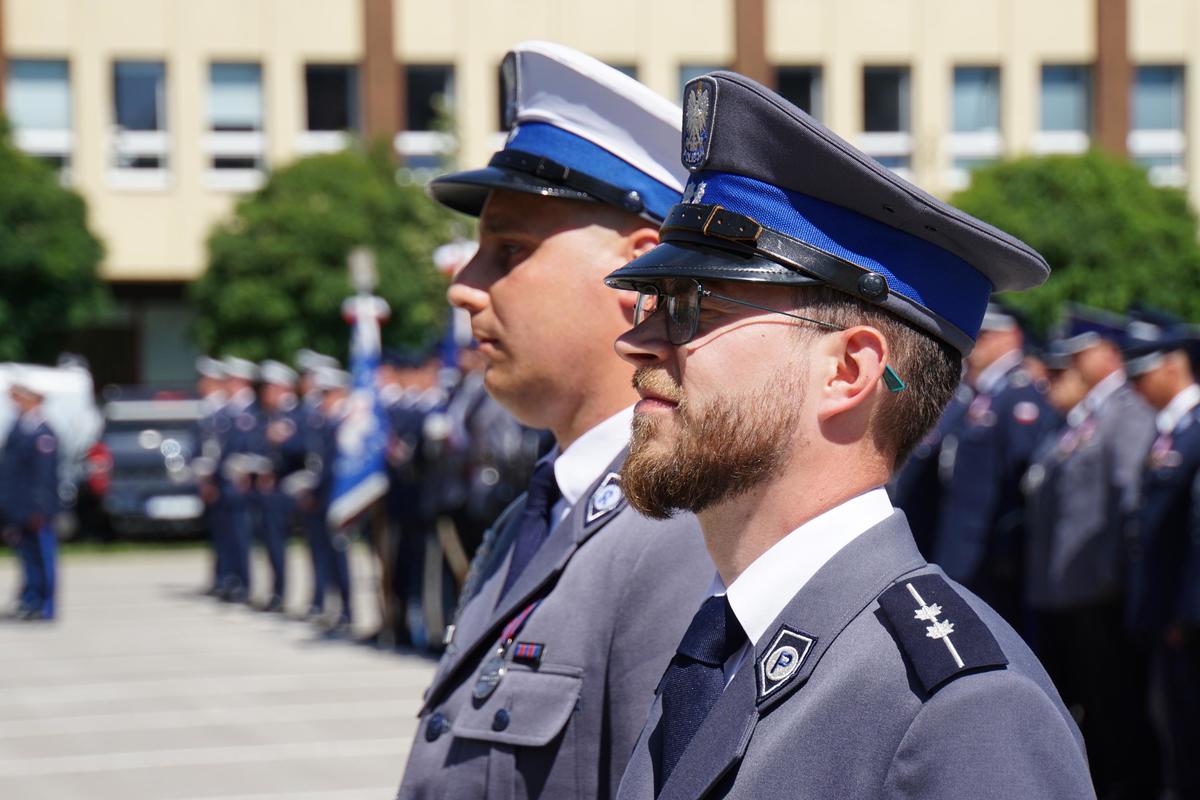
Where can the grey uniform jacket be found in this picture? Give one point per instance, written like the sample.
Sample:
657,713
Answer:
619,591
1080,492
869,702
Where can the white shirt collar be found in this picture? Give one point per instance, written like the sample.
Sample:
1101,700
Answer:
31,419
765,588
992,373
1104,390
579,465
241,399
1180,405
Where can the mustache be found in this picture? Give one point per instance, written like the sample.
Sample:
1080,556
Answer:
657,382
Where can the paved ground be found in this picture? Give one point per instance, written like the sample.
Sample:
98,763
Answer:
144,690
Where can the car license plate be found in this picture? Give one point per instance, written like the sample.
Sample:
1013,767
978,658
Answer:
174,507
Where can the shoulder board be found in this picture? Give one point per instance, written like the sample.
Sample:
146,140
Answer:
940,635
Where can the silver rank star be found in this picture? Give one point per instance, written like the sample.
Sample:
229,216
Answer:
937,629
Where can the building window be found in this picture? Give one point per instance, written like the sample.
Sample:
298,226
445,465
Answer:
235,142
1066,106
1156,140
975,108
141,146
688,72
887,117
332,106
38,105
429,99
801,86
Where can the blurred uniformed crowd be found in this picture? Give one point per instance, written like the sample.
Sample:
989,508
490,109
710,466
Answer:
265,452
1062,485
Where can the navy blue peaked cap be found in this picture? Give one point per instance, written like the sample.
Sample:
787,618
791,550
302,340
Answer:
774,196
1151,334
1085,327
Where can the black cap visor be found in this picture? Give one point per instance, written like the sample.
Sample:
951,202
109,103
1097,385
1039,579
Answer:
685,256
468,191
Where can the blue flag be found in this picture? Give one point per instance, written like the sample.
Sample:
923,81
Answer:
359,471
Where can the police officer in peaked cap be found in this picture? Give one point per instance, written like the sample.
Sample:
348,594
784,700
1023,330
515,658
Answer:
798,331
1164,602
980,535
1080,491
574,602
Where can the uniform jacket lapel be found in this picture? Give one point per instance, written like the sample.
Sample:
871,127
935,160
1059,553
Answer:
837,594
482,618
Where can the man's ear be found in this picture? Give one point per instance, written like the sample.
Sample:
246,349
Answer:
642,241
857,358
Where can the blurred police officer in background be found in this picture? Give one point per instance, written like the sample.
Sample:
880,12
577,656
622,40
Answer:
304,485
1164,607
236,470
209,434
980,536
798,331
1081,489
574,602
29,500
285,446
334,545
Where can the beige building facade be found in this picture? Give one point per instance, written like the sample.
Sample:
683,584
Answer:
164,112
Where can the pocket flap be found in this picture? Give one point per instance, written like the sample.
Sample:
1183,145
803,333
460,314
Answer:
528,708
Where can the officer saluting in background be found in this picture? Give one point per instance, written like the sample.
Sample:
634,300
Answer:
574,601
797,333
29,500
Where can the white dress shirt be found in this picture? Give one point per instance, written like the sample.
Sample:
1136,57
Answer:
1169,418
1104,390
765,588
579,466
992,373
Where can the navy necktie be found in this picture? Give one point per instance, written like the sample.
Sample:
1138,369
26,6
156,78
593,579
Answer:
695,679
542,494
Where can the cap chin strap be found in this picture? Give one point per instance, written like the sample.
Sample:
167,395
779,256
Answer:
629,200
714,226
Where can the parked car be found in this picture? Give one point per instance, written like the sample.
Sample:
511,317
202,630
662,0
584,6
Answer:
140,470
70,410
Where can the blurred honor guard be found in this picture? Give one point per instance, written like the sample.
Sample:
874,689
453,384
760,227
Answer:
210,431
1081,490
574,602
332,544
1165,596
29,500
797,333
285,450
980,539
303,485
239,463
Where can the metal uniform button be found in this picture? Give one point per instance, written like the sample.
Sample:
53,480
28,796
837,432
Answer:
435,727
501,720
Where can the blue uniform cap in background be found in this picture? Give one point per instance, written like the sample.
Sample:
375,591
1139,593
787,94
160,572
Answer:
579,130
776,197
1085,327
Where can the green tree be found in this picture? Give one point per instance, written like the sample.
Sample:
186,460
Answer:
49,279
277,268
1111,237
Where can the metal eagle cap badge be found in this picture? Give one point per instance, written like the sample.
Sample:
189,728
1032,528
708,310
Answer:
700,105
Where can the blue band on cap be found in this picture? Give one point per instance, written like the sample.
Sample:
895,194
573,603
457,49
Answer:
919,270
544,139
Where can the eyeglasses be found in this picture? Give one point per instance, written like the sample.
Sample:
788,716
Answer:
682,305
